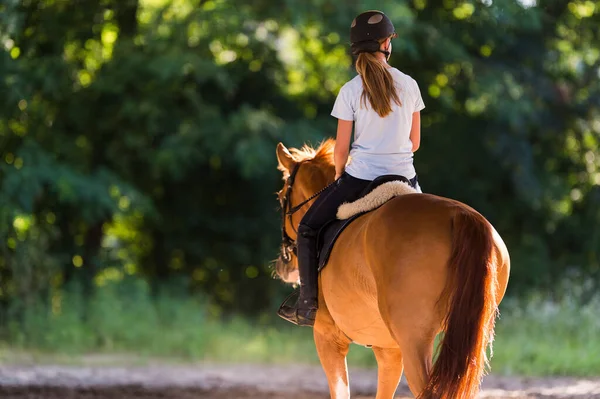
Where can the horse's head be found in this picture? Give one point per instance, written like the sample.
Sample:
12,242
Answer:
305,172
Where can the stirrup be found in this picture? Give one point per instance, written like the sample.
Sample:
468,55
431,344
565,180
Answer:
295,315
288,301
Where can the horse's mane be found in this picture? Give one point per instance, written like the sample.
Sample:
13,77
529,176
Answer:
322,156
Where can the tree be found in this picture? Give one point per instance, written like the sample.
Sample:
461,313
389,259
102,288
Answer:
139,140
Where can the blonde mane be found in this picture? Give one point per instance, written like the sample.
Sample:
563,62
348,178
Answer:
321,157
323,154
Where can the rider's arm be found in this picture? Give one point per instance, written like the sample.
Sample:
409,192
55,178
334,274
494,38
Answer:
415,131
342,146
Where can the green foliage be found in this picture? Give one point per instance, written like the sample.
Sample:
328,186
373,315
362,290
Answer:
138,137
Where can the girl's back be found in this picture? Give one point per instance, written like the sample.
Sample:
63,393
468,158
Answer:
381,145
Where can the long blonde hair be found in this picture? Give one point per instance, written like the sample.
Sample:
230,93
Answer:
378,84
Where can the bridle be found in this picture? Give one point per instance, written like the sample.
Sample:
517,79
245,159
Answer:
288,246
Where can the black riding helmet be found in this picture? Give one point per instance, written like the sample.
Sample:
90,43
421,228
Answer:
367,29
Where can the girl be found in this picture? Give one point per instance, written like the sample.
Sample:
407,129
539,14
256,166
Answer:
384,104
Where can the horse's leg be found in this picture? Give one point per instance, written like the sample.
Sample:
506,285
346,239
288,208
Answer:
414,329
389,371
332,348
417,357
332,354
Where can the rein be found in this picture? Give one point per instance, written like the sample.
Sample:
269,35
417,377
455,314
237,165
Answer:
288,246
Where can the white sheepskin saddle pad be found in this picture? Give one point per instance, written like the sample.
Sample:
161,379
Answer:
379,196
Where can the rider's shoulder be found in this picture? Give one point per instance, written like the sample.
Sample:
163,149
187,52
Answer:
353,85
398,74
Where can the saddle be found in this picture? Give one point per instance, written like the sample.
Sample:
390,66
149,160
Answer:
329,233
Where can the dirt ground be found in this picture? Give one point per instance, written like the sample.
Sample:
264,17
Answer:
209,381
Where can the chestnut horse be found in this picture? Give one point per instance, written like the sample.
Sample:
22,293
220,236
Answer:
397,276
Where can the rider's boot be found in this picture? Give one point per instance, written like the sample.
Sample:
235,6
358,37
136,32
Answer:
304,312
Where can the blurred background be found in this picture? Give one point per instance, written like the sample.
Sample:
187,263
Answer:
138,174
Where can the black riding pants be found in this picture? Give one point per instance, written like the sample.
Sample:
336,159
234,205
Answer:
347,188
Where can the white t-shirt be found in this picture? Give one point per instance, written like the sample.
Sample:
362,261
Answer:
381,146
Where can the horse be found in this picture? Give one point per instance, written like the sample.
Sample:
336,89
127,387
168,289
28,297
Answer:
397,276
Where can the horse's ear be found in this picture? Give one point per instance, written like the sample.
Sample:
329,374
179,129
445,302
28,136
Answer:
286,160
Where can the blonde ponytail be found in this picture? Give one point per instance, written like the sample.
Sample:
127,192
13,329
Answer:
378,84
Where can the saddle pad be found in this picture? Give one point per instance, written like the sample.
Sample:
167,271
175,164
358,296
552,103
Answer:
375,198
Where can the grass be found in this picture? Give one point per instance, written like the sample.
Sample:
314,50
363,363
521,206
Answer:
541,337
533,337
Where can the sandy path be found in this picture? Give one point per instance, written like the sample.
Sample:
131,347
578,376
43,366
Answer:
241,382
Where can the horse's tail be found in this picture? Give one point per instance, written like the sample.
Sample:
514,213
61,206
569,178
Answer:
469,323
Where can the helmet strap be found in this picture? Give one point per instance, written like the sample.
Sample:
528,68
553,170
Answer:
386,53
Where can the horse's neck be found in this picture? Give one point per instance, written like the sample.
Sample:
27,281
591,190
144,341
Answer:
318,181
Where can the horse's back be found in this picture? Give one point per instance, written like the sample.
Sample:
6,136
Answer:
395,260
